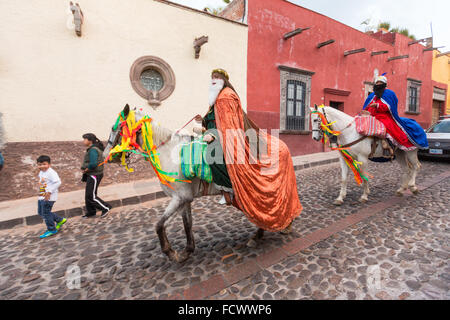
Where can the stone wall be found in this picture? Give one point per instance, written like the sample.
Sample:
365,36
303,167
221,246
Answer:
19,176
337,78
66,85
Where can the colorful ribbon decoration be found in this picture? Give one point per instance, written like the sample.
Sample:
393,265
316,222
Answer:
129,128
349,160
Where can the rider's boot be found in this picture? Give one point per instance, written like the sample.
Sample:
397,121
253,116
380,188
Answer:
388,152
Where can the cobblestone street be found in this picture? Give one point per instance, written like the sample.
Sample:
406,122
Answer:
387,248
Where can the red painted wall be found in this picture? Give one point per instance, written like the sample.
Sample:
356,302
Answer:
269,20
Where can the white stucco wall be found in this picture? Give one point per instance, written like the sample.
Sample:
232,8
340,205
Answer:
55,86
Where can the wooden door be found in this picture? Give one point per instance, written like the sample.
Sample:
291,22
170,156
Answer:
436,111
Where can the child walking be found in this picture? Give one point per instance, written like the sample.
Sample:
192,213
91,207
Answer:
92,175
49,183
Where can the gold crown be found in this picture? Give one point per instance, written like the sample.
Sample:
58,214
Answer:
222,72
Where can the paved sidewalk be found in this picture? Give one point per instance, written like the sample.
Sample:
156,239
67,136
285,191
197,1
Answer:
314,159
69,204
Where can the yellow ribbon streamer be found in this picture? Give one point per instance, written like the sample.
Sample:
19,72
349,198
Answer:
147,147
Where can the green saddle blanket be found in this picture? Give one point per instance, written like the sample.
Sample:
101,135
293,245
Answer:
193,161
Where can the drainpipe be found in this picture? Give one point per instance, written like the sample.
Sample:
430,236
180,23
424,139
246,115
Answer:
244,16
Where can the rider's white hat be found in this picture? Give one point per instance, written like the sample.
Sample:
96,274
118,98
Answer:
381,78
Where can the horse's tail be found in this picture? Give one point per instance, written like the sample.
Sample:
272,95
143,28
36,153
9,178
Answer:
419,165
411,165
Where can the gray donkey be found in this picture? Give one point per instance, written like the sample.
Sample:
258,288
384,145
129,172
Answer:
183,194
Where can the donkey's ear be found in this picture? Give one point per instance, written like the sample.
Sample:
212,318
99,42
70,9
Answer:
315,107
126,110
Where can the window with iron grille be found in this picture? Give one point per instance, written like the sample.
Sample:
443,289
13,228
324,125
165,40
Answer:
295,105
413,96
295,100
413,99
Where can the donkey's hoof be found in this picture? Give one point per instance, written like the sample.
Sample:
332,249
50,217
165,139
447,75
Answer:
338,202
251,243
399,193
363,200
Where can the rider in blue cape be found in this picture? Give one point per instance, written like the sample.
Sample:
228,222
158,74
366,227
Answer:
404,133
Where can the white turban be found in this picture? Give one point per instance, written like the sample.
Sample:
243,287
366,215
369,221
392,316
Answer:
381,78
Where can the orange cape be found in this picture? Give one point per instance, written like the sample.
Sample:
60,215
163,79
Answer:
265,188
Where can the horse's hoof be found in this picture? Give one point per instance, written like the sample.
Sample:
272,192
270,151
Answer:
287,230
414,190
338,202
172,255
363,200
181,257
399,193
258,235
251,243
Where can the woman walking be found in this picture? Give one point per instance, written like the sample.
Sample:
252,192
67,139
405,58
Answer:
92,175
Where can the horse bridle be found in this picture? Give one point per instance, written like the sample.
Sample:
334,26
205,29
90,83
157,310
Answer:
319,130
113,142
333,138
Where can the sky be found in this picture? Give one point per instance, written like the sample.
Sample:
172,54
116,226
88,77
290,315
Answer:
416,15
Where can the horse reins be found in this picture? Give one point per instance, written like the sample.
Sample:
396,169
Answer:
176,132
348,145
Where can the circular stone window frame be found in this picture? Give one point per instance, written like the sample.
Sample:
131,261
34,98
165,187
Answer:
144,63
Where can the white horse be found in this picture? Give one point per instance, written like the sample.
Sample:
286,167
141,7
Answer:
183,193
361,150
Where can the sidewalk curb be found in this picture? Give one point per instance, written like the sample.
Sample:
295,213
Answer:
78,211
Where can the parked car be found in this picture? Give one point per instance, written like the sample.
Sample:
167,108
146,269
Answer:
439,140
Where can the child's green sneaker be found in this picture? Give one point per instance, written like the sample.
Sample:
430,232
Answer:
59,224
48,233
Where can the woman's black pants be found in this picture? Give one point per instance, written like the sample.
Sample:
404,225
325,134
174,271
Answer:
93,202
